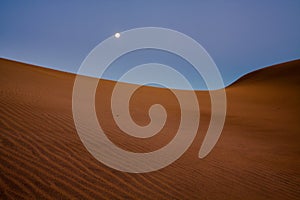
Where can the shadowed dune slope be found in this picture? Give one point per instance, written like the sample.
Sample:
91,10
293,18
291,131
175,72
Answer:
256,157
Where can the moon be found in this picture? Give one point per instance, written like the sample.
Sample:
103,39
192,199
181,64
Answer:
117,35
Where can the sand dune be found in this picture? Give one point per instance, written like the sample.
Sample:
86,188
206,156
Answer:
256,157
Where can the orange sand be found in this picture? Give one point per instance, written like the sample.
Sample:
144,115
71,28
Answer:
256,157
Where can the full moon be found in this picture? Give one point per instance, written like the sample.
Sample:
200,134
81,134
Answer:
117,35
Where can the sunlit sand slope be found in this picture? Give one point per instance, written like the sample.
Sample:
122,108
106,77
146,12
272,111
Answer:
256,157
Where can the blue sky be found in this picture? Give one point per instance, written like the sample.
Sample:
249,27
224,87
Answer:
240,36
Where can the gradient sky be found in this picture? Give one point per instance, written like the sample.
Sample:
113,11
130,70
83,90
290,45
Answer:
240,36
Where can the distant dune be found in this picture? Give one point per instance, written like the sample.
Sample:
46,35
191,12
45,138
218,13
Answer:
256,157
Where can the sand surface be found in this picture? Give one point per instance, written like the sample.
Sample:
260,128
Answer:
256,157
